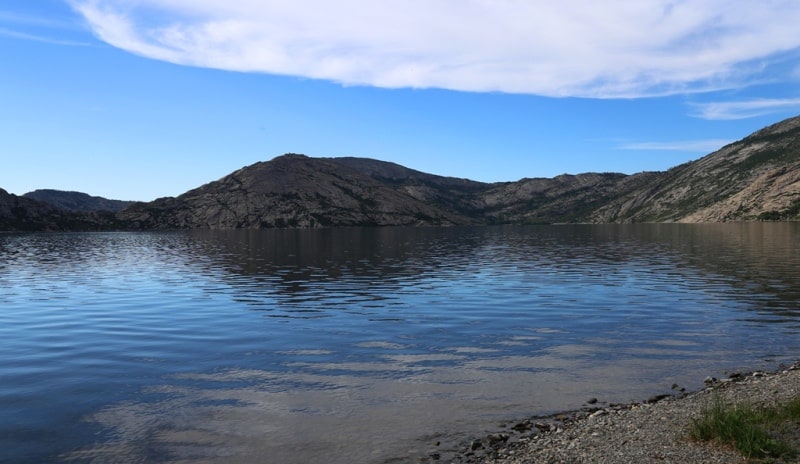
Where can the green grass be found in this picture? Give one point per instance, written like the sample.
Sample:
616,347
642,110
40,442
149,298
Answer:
753,430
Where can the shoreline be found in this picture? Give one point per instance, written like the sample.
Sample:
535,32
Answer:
651,431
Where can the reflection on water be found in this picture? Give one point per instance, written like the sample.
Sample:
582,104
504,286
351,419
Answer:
363,345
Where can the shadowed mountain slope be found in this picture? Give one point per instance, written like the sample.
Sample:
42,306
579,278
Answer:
26,214
76,201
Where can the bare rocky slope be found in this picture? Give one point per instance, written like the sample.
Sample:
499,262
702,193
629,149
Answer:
756,178
298,191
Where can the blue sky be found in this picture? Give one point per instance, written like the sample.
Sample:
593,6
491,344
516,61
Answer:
138,99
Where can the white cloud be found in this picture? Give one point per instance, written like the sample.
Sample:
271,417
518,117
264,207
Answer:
702,146
616,48
744,109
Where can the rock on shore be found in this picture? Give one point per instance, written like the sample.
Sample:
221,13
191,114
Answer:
655,431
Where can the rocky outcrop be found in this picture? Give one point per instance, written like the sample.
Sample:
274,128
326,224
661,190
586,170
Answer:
76,201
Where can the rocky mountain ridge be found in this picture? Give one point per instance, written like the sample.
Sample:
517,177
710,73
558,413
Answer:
756,178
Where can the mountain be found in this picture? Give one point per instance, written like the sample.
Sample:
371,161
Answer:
77,201
297,191
26,214
756,178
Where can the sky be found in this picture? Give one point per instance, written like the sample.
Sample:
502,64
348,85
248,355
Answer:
140,99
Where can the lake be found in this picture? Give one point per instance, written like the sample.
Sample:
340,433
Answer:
368,345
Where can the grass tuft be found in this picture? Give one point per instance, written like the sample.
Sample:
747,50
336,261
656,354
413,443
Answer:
751,430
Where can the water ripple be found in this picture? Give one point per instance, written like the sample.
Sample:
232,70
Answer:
353,344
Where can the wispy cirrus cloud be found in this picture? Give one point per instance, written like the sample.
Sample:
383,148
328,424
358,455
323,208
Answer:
567,48
701,146
33,20
40,38
744,109
35,28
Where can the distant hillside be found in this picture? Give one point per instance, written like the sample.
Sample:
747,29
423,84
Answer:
566,198
756,178
26,214
77,201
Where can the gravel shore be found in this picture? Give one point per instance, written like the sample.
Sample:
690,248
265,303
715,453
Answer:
655,431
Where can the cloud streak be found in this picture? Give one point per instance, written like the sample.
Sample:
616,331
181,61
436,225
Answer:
36,21
744,109
567,48
18,21
38,38
702,146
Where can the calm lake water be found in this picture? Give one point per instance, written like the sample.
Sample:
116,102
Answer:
367,345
